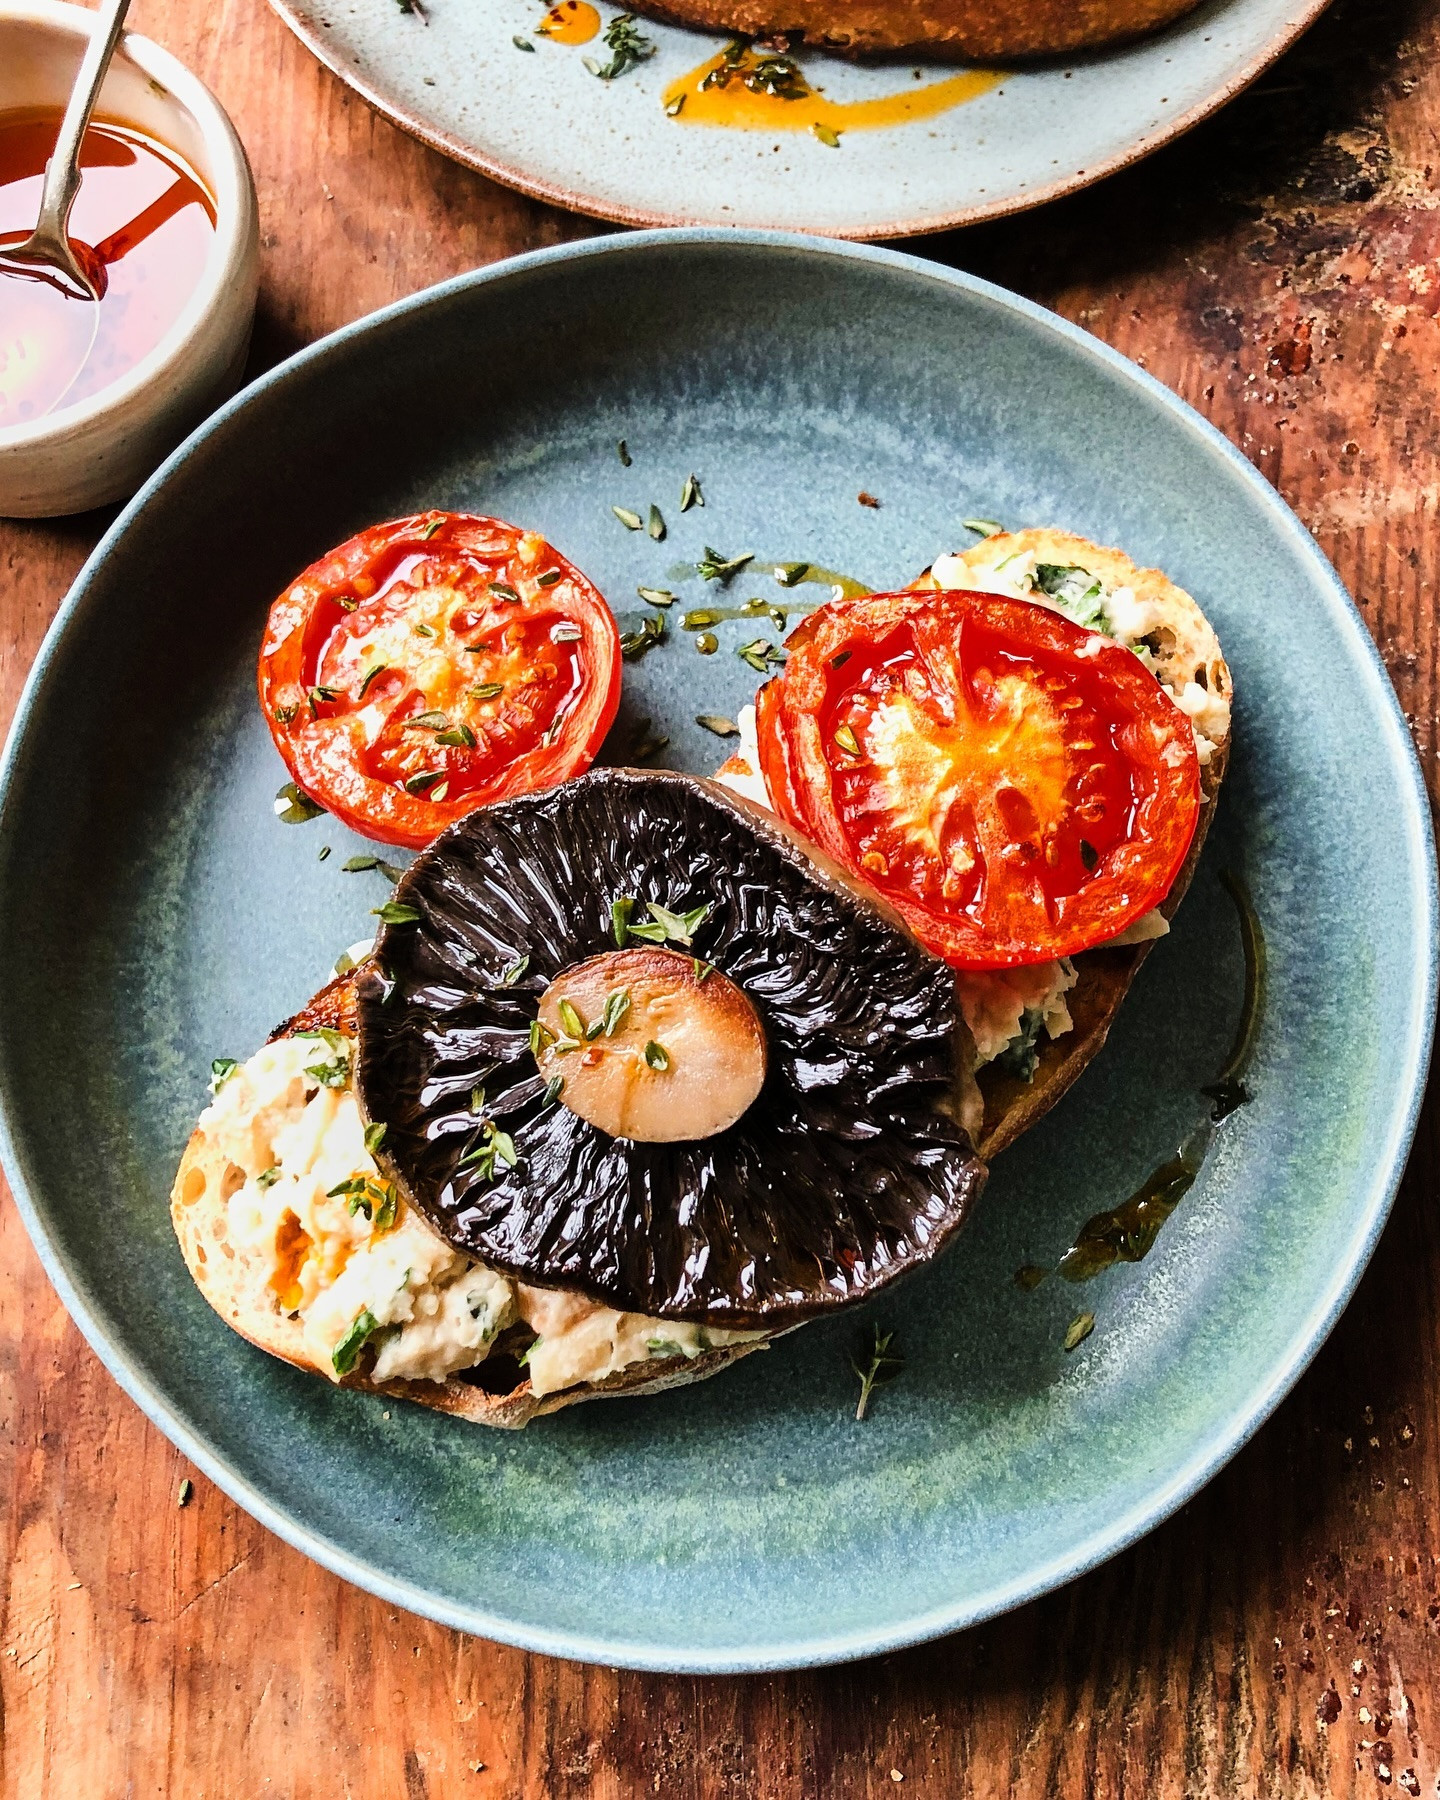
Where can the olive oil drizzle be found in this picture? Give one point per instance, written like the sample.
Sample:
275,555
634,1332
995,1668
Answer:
1127,1234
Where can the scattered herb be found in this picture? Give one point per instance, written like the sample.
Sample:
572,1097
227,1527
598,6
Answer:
635,644
521,43
417,784
719,724
374,1137
761,655
657,1056
556,725
437,524
1029,1276
875,1364
790,575
656,596
630,520
840,658
324,852
702,971
628,47
699,619
221,1070
395,912
570,1018
391,871
554,1088
458,736
347,1352
1079,1329
494,1146
724,569
623,452
477,1101
428,721
541,1037
293,807
656,525
663,1347
690,494
1075,591
847,740
983,527
423,630
648,745
549,578
676,106
665,926
268,1177
1089,855
187,1488
357,865
566,632
777,76
284,714
620,911
826,134
515,971
490,690
369,676
616,1007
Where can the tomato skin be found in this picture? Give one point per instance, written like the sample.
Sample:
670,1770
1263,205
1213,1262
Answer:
1022,737
348,718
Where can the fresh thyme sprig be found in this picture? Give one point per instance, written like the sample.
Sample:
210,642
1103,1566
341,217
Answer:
875,1364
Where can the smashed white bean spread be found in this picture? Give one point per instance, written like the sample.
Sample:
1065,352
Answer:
361,1260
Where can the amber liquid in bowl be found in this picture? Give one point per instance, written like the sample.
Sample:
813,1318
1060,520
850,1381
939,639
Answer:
146,217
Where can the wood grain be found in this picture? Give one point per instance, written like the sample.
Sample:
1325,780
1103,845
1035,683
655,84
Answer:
1281,1636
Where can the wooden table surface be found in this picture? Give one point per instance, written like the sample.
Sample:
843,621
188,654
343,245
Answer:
1281,1636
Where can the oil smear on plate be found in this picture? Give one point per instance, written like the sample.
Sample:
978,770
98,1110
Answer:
748,88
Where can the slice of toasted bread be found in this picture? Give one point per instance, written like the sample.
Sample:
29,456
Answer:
979,30
1184,648
199,1210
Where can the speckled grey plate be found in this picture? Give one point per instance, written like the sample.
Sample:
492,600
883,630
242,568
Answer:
154,913
542,123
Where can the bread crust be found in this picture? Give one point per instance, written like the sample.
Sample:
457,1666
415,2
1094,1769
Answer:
953,30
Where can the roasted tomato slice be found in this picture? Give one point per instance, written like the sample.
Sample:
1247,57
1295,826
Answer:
1016,787
435,663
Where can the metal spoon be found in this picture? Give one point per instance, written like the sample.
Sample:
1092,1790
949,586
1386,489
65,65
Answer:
47,254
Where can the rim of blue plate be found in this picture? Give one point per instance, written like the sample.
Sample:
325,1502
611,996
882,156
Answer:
1408,1069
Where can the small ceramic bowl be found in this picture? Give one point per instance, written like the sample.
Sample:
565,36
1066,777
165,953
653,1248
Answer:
104,446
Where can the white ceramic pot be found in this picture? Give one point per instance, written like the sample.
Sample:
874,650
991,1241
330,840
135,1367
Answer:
104,447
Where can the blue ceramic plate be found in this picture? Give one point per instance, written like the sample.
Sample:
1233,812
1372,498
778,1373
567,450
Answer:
544,124
154,913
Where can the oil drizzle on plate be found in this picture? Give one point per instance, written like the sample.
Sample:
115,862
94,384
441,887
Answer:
729,90
571,22
1128,1233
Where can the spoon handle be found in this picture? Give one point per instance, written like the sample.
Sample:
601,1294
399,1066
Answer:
62,172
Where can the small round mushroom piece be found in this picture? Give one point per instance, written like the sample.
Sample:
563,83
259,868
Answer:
651,1045
827,1163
